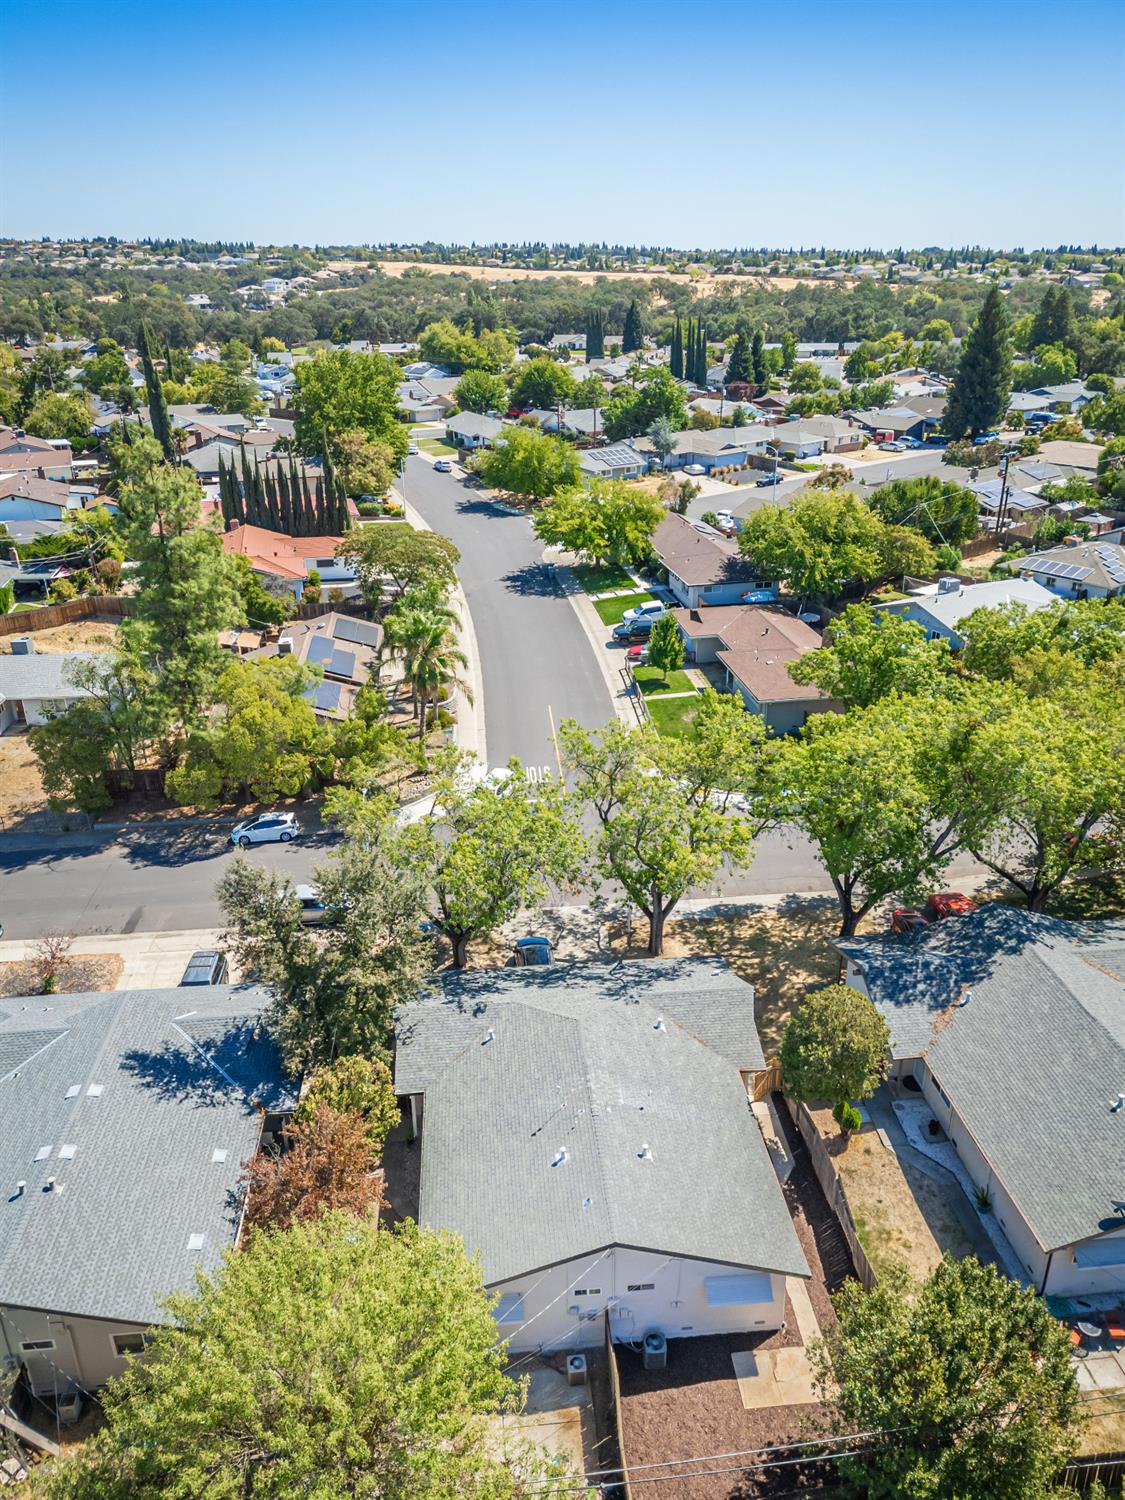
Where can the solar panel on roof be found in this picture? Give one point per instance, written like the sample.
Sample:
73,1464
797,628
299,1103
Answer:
362,632
327,697
342,664
320,650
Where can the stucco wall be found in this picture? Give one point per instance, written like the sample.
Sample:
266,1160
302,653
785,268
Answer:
83,1351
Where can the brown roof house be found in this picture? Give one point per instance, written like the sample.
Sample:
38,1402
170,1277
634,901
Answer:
753,648
704,566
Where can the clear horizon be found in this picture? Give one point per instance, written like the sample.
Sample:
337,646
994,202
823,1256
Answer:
630,123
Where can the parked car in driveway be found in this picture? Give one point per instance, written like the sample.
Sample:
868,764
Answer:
312,904
893,447
266,828
909,442
948,904
637,656
985,437
411,449
443,466
769,479
206,966
908,919
651,609
634,630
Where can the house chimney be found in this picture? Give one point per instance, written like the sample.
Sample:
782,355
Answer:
40,473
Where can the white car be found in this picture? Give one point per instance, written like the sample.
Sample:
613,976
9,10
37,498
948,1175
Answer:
694,470
266,828
726,521
652,609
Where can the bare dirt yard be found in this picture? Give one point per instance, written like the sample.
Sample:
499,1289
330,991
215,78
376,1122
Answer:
82,635
21,787
82,974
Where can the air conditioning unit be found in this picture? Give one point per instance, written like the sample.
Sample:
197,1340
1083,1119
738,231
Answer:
655,1351
576,1369
69,1407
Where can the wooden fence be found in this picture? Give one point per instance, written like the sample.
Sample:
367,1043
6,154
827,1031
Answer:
89,607
767,1082
615,1405
833,1190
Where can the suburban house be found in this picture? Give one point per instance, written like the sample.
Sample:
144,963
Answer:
36,684
344,648
1087,570
616,461
754,646
724,407
290,558
585,1128
424,369
704,566
470,429
838,435
27,497
940,607
720,448
899,421
1073,395
567,341
578,421
45,458
800,439
125,1118
1018,504
1010,1026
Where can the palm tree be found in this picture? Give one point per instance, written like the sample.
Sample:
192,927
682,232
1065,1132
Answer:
423,635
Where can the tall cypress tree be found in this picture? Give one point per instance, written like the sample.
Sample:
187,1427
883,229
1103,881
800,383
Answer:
157,405
631,338
284,503
676,353
224,494
249,504
595,335
308,510
978,399
702,379
738,365
325,519
295,501
318,531
758,357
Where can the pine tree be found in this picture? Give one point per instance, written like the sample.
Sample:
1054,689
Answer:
595,336
978,399
157,405
326,508
224,494
308,510
701,369
631,339
758,357
318,530
738,365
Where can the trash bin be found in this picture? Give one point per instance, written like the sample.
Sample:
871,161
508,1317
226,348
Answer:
655,1351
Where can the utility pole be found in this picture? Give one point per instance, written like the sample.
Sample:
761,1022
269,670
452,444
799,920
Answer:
1006,458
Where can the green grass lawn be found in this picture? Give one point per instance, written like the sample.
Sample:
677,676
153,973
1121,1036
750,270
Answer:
674,716
436,445
651,683
613,610
597,579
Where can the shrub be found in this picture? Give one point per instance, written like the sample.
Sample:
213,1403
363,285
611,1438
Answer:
847,1117
709,518
63,591
354,1085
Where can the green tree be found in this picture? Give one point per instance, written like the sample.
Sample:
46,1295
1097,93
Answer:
632,337
868,656
543,385
665,807
758,358
158,417
479,391
666,646
459,349
341,1360
333,992
676,351
979,395
366,466
819,544
1000,642
607,521
870,789
662,436
530,463
834,1047
944,512
489,852
1104,414
738,365
1054,321
805,376
398,558
345,392
107,371
968,1377
261,608
632,412
354,1085
788,351
55,416
422,630
1111,469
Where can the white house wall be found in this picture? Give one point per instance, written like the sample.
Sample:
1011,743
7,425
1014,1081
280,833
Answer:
556,1317
83,1352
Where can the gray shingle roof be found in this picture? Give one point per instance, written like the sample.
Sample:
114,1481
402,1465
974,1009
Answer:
519,1065
1033,1062
42,674
112,1237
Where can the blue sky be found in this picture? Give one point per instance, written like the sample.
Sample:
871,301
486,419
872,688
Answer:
693,123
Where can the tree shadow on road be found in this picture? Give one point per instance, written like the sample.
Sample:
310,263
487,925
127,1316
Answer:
538,580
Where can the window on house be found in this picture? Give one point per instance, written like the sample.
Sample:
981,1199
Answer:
510,1308
129,1343
588,1291
641,1286
37,1346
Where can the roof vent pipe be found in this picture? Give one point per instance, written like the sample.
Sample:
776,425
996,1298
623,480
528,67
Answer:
1119,1106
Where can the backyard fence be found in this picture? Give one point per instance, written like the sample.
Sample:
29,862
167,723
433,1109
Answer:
833,1190
89,607
615,1405
767,1082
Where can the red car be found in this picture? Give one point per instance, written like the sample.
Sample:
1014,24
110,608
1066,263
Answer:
908,919
637,656
948,904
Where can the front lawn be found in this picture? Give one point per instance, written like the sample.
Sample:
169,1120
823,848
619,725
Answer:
612,611
436,445
596,578
650,680
674,716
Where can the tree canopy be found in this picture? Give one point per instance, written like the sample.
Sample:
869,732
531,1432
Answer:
530,463
606,521
834,1047
945,513
978,398
340,392
399,557
867,656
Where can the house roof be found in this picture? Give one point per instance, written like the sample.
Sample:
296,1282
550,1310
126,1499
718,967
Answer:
273,552
890,418
951,608
698,553
757,646
599,1061
42,674
474,424
144,1087
1101,564
24,485
345,647
615,456
1070,453
1032,1062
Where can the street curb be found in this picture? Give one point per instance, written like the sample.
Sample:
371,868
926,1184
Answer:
591,622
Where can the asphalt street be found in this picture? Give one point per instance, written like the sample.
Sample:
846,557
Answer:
535,657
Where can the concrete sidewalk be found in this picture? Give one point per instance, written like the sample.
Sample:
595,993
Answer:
152,960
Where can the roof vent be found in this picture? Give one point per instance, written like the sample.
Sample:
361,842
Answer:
49,1185
658,1024
560,1157
644,1154
20,1186
489,1036
587,1204
1115,1109
285,646
219,1154
195,1241
966,999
